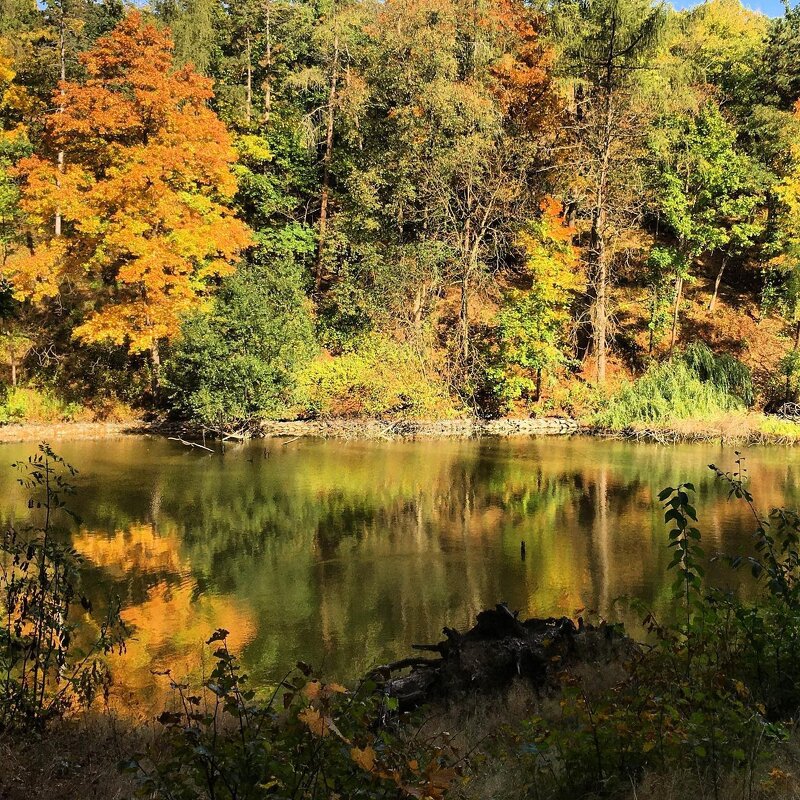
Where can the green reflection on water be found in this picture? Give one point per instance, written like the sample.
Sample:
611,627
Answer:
344,553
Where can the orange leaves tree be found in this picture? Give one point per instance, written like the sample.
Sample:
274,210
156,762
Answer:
144,194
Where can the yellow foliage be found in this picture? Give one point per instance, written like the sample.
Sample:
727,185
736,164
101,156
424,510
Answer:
365,758
551,259
14,99
316,723
143,198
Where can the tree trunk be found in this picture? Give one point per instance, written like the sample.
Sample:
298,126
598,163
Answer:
538,395
326,163
465,315
417,309
13,370
470,257
717,283
598,233
249,92
155,360
62,56
268,64
676,312
789,397
601,310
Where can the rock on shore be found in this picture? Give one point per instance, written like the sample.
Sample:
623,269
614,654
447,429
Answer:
420,429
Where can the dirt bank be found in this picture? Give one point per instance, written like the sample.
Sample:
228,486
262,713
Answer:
39,432
733,429
326,429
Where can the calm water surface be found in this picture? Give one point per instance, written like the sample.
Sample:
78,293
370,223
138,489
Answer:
344,553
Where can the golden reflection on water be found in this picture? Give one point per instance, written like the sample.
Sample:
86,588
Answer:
170,625
345,553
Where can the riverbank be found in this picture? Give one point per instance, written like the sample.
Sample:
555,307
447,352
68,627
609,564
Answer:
514,718
741,428
421,429
734,428
745,429
83,431
322,428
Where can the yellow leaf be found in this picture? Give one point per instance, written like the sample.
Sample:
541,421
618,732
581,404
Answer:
314,720
365,758
442,778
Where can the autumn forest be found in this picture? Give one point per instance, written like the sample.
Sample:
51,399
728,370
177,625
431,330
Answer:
429,208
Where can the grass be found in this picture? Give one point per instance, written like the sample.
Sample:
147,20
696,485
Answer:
76,760
43,406
666,392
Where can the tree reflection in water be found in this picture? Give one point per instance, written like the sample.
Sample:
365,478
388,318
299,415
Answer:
344,553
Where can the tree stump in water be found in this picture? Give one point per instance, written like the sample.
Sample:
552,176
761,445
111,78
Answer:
499,649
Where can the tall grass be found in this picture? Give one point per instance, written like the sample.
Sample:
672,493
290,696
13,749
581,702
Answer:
696,384
723,371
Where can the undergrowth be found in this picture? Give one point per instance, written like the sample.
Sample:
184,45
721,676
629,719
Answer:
381,377
697,384
22,404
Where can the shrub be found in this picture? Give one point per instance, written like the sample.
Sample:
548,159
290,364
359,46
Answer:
722,371
380,378
308,739
239,362
43,670
25,404
665,392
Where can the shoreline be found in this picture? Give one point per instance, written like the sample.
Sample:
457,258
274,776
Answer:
746,431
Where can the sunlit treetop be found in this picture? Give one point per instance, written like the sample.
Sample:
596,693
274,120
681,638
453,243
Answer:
144,195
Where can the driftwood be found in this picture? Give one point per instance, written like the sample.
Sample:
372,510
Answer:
499,649
189,444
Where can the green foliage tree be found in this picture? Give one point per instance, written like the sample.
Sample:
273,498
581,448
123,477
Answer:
239,362
534,324
605,47
194,25
780,62
708,193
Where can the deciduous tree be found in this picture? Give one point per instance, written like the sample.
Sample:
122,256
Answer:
144,193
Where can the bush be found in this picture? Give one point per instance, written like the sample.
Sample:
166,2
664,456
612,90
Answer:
723,371
43,671
309,739
239,362
694,385
708,693
21,404
380,378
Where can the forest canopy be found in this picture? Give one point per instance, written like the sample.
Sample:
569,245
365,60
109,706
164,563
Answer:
293,208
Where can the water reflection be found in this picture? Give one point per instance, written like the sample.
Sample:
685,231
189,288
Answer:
344,553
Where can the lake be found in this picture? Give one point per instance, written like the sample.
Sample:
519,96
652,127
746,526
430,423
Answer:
344,553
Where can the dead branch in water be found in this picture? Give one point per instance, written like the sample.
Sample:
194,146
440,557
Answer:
189,444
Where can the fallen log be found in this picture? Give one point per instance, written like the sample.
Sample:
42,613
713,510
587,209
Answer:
499,649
